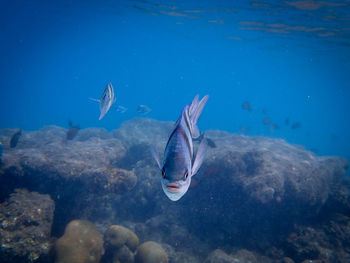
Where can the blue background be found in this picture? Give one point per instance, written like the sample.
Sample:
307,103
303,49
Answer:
291,58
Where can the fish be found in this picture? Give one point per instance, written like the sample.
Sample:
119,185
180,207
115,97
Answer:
72,132
179,163
121,109
275,127
14,138
106,101
211,143
296,125
143,109
265,111
246,106
266,121
287,121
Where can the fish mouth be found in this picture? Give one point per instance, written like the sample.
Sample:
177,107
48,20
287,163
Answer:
173,187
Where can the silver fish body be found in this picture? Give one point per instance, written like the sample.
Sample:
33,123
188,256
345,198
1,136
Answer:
179,164
107,99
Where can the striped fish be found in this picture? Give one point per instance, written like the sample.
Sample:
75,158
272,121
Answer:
179,164
106,101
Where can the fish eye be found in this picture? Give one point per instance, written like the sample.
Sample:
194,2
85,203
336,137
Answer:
163,173
186,174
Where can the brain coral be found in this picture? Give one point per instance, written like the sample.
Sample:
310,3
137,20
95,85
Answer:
81,243
150,252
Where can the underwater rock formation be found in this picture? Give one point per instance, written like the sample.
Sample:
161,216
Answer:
240,256
81,243
120,244
73,171
219,256
26,220
150,252
251,192
91,161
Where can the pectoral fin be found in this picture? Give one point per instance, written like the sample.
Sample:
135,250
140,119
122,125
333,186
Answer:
155,155
95,100
202,148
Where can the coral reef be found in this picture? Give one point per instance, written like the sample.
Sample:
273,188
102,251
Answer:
150,252
26,220
254,197
120,244
81,243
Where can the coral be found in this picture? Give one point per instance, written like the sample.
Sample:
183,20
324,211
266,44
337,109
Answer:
81,243
120,244
150,252
26,221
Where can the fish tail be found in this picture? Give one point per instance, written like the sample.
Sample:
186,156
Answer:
194,112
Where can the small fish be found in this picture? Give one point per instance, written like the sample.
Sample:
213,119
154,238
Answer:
143,109
266,121
14,138
274,127
287,121
179,164
106,101
73,131
121,109
296,125
246,106
265,111
211,143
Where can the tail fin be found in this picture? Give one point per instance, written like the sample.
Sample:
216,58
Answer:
194,111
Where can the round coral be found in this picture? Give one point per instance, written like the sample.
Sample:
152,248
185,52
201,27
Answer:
81,243
150,252
116,236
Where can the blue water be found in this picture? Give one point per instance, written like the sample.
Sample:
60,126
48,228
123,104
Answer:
291,58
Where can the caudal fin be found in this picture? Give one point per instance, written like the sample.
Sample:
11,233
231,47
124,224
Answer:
194,112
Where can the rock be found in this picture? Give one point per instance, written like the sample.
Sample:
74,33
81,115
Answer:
255,184
44,155
74,172
287,260
150,252
245,256
120,244
219,256
81,243
327,244
26,221
250,192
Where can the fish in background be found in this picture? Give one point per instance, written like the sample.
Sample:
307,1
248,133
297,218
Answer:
265,111
246,106
179,163
266,121
211,143
73,131
143,109
296,125
287,121
121,109
14,138
106,101
274,127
